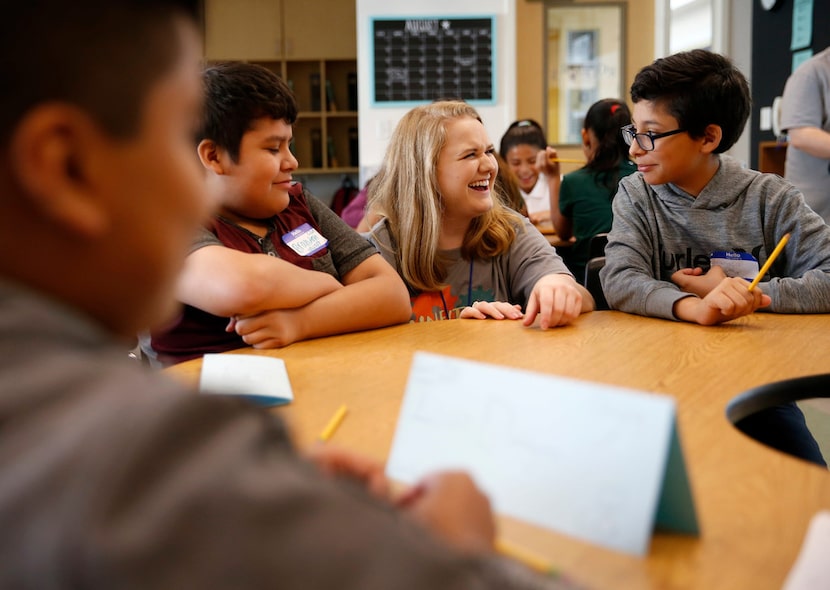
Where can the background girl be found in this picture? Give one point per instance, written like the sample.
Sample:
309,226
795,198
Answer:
582,205
525,149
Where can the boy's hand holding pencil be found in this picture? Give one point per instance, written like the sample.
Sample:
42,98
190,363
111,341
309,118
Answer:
770,260
726,300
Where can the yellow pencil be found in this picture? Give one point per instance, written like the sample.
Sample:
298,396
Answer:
567,160
770,260
523,556
335,421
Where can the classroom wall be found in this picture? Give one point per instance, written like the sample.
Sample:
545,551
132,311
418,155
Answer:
773,58
377,121
530,91
521,62
739,49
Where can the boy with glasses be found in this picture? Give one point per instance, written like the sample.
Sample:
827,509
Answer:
692,227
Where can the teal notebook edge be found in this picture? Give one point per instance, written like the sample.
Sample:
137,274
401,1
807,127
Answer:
676,508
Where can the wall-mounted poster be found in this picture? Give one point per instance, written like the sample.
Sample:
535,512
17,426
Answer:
422,59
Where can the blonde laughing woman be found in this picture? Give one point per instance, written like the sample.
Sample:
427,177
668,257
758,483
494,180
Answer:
461,252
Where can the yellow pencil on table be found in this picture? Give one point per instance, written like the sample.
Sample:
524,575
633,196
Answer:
769,261
333,424
523,556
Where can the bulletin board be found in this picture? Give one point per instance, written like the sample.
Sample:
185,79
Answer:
422,59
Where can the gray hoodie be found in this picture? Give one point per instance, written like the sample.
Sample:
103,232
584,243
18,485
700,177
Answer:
660,229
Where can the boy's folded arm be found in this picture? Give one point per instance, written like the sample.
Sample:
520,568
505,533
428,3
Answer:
729,300
373,296
631,288
226,282
627,279
809,293
697,281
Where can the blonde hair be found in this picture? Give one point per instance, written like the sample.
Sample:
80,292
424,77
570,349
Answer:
507,185
405,192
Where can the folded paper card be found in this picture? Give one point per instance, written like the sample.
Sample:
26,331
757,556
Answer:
596,462
260,379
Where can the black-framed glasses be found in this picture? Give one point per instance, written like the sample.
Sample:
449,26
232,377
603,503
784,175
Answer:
644,140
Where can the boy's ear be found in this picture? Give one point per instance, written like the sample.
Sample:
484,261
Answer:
712,136
212,156
51,151
586,140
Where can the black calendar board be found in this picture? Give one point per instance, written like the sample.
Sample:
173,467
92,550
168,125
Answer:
417,60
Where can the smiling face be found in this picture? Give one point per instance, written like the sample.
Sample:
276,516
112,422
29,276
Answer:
257,184
522,162
466,170
680,159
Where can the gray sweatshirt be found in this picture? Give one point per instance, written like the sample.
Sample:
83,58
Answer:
660,229
112,476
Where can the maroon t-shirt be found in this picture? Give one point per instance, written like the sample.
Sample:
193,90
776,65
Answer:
197,332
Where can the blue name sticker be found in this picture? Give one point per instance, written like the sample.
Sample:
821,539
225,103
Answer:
735,264
305,240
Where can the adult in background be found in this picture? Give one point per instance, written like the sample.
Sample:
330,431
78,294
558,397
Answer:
805,115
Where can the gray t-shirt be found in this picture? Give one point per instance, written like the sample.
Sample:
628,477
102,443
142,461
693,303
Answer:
345,251
508,277
806,103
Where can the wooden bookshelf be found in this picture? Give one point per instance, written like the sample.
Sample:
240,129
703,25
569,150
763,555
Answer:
317,58
772,156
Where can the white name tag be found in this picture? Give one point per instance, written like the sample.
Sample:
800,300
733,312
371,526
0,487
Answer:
305,240
736,264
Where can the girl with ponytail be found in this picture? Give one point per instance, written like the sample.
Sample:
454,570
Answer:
582,207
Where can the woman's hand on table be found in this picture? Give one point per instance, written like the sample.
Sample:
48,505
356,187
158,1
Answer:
556,299
497,310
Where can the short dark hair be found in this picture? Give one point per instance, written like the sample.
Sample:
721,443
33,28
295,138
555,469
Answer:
237,94
698,88
101,55
522,132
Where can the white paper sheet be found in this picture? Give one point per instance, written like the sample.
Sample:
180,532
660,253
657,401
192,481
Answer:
580,458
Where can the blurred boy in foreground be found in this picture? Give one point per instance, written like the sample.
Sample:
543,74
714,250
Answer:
112,476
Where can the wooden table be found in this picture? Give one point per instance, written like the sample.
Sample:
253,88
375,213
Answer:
546,229
753,503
